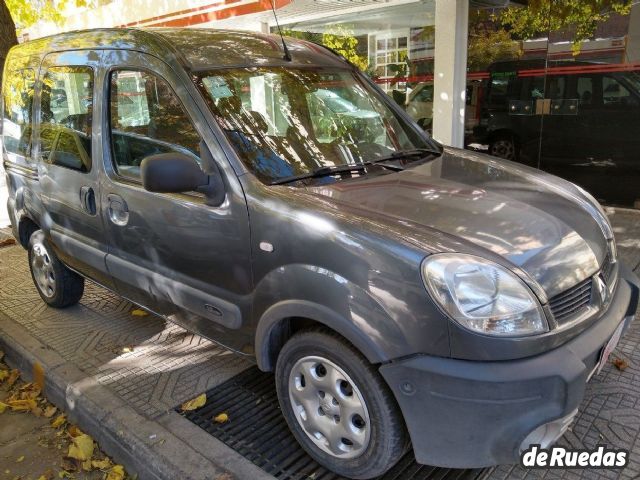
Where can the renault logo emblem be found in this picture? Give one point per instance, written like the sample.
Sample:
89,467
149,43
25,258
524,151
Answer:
603,291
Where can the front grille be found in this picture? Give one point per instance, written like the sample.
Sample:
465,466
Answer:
571,301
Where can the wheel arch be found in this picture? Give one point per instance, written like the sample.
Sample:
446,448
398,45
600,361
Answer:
282,320
26,227
503,133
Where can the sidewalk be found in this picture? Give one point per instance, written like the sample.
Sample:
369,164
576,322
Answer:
120,377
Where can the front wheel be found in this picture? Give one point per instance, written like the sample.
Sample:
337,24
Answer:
338,406
503,147
58,286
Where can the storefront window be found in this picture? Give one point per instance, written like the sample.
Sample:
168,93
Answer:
393,42
565,99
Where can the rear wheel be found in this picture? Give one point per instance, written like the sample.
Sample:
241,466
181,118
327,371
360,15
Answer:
338,406
503,147
57,285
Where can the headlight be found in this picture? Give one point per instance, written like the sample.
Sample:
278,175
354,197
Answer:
483,296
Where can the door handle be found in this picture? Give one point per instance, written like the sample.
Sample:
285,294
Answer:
118,210
88,200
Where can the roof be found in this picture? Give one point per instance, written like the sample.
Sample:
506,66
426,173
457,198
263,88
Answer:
196,49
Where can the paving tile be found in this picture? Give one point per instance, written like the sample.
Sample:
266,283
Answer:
92,335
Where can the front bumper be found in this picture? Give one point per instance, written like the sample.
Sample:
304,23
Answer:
465,414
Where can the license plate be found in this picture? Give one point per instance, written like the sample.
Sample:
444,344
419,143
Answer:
610,347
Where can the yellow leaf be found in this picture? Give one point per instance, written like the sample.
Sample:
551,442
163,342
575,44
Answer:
81,447
13,376
86,465
101,464
221,418
138,312
74,431
22,405
3,375
20,459
3,407
38,375
50,411
195,403
59,421
116,473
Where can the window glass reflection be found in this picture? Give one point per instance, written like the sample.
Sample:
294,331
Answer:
147,118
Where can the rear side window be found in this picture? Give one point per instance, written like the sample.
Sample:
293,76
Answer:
18,103
147,118
66,109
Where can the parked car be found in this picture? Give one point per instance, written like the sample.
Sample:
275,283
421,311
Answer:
419,104
403,293
579,120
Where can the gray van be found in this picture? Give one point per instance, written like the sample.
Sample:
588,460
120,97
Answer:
406,295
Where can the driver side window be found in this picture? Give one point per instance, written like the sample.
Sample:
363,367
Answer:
147,118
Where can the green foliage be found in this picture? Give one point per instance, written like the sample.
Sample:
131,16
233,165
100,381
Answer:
337,37
340,38
580,17
488,42
27,12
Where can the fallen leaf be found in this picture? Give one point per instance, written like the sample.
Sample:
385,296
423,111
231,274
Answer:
50,411
101,464
22,405
3,407
81,447
116,473
620,363
74,431
47,475
86,465
195,403
221,418
20,459
59,421
38,375
138,312
69,464
3,375
13,377
64,474
5,242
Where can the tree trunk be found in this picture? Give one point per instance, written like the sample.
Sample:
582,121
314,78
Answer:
7,34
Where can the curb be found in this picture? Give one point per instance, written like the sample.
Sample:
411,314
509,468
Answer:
169,448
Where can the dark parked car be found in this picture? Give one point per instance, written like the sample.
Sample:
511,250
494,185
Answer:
404,294
578,120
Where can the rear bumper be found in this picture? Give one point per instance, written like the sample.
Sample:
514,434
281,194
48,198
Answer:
464,414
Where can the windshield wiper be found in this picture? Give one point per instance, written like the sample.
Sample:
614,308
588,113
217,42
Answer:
414,152
331,170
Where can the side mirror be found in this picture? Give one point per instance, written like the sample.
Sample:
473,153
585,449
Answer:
172,173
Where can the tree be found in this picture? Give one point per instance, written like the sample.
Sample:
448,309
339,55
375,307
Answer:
489,41
580,17
16,15
7,34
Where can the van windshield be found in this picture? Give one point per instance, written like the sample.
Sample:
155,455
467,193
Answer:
285,122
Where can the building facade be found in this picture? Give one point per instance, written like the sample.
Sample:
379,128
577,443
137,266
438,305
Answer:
572,108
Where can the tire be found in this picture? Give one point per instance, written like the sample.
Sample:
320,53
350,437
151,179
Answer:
58,286
504,147
317,367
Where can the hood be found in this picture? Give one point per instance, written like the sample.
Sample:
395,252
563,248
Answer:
536,221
